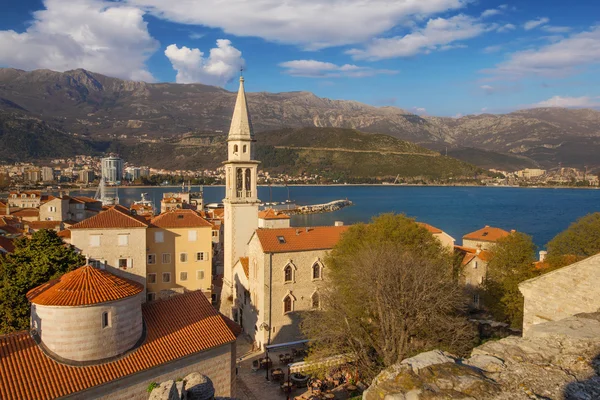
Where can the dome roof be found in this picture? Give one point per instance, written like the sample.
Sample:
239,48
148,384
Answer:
84,286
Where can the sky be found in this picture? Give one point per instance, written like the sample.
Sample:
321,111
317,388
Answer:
429,57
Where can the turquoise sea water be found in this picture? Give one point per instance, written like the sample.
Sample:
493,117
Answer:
541,213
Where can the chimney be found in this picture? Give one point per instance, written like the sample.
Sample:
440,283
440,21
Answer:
478,249
7,208
298,231
543,254
338,223
513,231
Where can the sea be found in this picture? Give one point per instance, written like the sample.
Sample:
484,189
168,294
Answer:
539,212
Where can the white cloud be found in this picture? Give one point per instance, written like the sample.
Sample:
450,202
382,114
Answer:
490,13
556,29
419,110
100,36
506,28
312,24
223,63
320,69
569,102
437,34
487,89
492,49
561,58
534,23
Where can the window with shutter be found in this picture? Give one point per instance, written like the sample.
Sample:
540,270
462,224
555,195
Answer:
159,237
123,240
94,240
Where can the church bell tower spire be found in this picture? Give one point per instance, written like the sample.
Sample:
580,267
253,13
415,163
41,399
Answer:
241,200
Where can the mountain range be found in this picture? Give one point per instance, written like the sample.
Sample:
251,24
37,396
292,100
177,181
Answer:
98,107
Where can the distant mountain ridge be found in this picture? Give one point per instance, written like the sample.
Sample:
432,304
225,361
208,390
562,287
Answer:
92,104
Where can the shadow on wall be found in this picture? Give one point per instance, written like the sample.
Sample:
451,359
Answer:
588,389
247,312
290,332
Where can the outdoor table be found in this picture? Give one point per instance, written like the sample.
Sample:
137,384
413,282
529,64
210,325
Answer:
329,396
287,387
277,374
351,388
265,362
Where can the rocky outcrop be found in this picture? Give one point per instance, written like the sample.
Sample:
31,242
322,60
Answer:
194,386
558,360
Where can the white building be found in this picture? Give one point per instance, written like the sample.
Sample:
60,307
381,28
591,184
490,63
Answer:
112,170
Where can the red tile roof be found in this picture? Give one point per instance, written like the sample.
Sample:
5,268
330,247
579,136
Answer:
245,266
6,244
285,240
178,327
432,229
180,219
26,212
85,199
43,224
65,234
471,253
84,286
487,234
272,214
114,217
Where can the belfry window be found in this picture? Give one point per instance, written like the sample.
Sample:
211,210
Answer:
239,182
248,181
235,149
245,148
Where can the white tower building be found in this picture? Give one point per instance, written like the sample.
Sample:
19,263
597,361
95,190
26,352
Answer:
241,201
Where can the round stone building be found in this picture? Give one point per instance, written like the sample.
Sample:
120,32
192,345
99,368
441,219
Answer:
87,315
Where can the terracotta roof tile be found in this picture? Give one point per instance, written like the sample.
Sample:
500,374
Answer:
272,214
113,217
85,199
6,245
432,229
218,212
26,212
487,234
43,224
245,266
180,219
84,286
177,327
65,234
285,240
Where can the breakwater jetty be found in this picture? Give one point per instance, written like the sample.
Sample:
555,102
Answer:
319,208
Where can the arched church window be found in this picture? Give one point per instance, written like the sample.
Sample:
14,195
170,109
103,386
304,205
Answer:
287,304
239,182
248,180
316,271
315,301
288,273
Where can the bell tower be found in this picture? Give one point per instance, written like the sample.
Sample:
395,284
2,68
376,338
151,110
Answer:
241,201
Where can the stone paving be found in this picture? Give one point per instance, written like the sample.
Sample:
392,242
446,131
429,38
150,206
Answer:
253,385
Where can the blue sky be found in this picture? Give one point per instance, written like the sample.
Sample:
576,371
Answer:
434,57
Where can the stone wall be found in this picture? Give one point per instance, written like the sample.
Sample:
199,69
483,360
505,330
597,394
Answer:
76,333
558,294
218,364
558,360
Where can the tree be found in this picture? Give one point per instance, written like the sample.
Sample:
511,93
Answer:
511,262
390,294
581,240
35,261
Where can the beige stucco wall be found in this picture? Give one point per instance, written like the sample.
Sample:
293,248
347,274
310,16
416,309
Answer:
61,212
76,333
273,223
446,240
218,364
176,241
473,244
110,251
559,294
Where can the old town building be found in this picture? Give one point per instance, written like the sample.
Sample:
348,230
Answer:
92,336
